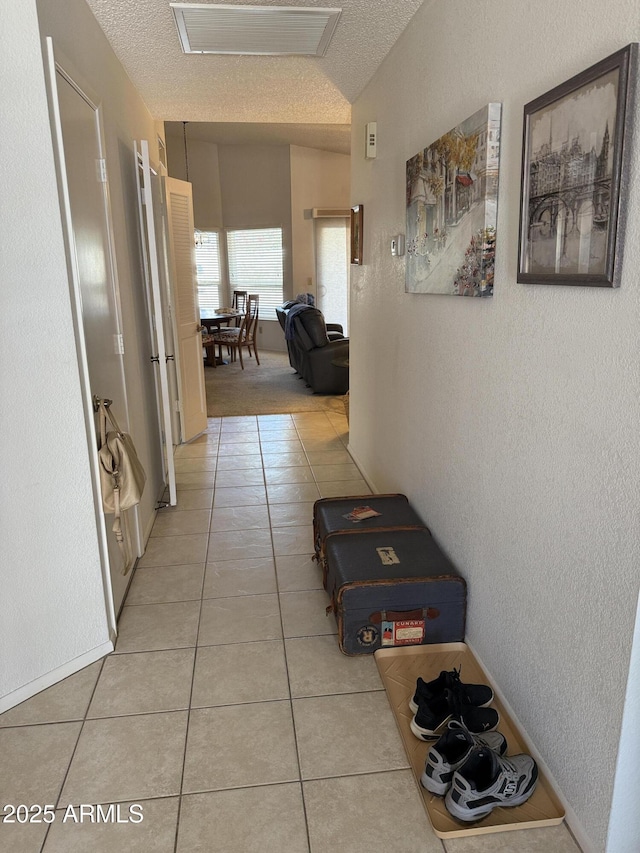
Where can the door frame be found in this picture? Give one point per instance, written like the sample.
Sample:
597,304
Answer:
56,62
158,326
184,359
317,219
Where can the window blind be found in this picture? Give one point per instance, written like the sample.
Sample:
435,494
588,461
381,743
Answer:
255,259
208,271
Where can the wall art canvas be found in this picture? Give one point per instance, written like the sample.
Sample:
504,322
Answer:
571,176
452,205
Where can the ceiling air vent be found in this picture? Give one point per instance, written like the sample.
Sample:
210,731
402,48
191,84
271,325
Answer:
258,30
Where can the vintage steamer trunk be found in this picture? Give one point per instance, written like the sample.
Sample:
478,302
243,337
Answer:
393,587
329,517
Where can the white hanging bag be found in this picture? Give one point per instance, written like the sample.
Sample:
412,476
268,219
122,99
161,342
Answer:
122,478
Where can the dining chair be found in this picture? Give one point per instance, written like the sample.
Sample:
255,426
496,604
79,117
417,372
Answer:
236,339
239,300
239,304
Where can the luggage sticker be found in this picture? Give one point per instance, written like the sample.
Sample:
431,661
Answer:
359,513
367,636
388,556
404,632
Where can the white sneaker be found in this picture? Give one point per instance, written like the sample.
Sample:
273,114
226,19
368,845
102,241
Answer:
486,780
451,751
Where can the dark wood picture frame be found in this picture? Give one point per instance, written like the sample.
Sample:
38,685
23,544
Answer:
575,140
356,234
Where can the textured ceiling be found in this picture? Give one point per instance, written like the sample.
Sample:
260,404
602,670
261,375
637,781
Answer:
263,89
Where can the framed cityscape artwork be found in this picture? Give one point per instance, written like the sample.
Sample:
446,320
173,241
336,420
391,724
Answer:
452,203
572,165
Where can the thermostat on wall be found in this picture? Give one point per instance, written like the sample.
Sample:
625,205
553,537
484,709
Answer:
370,142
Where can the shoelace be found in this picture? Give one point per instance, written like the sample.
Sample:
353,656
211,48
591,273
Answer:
454,684
458,725
510,769
452,678
509,776
507,772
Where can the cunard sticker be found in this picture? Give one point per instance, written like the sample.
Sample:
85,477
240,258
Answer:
404,632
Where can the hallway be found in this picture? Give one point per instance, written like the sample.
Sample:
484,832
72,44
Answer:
227,711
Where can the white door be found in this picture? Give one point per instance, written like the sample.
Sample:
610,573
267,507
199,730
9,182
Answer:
163,350
84,190
185,313
162,232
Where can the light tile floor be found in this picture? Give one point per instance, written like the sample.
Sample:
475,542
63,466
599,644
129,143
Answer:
227,711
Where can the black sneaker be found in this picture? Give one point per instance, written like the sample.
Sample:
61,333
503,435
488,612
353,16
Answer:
451,751
478,695
487,780
432,716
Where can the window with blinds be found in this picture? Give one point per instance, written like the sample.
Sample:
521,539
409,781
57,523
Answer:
208,270
255,260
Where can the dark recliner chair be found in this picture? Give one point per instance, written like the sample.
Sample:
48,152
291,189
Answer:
315,349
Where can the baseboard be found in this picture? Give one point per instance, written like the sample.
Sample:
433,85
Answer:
571,818
50,678
152,517
146,535
365,476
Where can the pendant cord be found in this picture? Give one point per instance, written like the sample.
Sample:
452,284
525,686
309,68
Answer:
186,155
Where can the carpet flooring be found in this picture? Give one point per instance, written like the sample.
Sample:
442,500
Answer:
270,388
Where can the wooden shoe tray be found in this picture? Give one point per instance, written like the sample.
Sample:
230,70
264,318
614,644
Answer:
399,669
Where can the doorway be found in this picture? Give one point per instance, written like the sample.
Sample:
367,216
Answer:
331,235
95,297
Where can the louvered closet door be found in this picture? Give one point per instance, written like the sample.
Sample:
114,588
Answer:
186,314
152,224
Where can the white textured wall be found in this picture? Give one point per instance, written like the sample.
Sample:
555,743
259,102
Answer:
52,605
318,179
511,423
204,175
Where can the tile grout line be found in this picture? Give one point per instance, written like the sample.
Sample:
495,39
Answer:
75,749
195,654
302,787
288,782
283,647
286,665
273,550
199,622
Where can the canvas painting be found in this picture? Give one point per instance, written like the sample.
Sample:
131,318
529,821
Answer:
452,205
